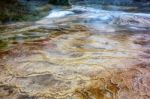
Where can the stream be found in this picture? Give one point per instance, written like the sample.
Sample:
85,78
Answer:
77,52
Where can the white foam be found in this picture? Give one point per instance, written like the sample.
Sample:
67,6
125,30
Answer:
58,14
91,15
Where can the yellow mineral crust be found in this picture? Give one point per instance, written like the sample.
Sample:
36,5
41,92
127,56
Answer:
76,63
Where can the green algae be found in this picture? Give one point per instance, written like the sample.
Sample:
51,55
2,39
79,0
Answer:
3,45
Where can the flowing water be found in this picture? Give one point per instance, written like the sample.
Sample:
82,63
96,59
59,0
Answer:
77,52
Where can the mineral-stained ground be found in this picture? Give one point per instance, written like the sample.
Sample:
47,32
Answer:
75,61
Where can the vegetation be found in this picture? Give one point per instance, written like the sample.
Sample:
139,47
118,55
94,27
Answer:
17,10
59,2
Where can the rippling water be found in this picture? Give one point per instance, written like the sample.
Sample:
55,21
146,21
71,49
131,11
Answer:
80,52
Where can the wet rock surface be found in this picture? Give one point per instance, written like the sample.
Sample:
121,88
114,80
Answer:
76,57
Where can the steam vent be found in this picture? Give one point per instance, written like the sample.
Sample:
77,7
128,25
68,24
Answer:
74,49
